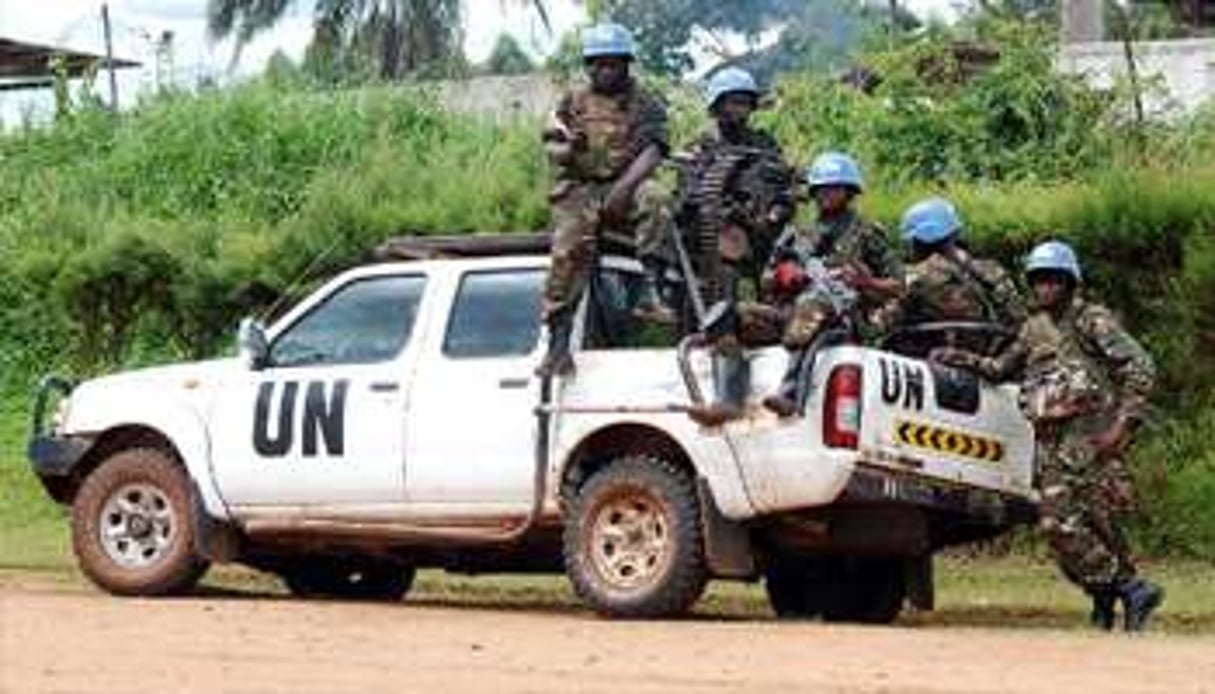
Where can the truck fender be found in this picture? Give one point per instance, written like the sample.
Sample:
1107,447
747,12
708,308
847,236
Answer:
183,428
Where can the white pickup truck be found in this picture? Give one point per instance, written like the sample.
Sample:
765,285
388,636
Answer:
391,422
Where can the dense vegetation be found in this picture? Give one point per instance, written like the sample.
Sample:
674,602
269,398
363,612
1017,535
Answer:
144,237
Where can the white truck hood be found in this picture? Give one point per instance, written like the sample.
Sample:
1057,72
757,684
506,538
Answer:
102,402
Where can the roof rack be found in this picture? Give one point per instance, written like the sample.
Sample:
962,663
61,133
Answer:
462,246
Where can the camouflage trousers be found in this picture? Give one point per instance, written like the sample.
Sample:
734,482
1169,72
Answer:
1085,499
577,209
808,316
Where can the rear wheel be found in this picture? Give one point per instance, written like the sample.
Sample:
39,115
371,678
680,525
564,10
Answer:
866,590
347,578
633,540
839,589
796,587
133,525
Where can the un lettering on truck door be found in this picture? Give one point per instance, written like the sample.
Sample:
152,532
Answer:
322,420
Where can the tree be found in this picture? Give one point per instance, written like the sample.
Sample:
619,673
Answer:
507,58
386,39
811,33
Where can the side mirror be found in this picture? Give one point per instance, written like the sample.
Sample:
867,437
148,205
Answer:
251,341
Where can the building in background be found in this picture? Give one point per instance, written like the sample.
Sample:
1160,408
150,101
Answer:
1178,75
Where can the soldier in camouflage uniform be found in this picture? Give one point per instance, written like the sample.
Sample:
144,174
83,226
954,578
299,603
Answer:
606,139
945,283
1084,385
848,254
757,198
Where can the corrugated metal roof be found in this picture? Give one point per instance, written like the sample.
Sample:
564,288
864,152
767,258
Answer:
24,60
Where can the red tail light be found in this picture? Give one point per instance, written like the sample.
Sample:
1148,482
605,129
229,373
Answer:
842,408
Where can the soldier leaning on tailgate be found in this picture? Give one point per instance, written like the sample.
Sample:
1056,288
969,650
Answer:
736,194
851,251
1084,385
606,139
945,282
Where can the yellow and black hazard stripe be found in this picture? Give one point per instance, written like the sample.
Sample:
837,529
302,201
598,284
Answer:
944,440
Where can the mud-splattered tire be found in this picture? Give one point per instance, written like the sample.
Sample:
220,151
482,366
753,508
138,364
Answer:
347,579
133,525
633,541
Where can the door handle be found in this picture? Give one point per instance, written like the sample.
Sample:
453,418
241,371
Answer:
514,383
384,387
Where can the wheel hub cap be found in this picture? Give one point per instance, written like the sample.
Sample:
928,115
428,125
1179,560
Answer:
629,545
137,525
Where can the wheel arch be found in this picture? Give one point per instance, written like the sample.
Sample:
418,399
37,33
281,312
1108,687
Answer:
606,444
167,426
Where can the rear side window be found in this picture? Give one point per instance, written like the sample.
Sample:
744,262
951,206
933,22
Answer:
496,314
367,321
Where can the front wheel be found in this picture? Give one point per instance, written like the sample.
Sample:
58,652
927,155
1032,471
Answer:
633,540
133,525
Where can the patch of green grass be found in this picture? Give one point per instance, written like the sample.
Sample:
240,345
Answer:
33,529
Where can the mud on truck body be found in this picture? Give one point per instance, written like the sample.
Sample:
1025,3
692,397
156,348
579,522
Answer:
391,422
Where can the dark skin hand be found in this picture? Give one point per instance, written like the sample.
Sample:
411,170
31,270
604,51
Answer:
1053,292
859,278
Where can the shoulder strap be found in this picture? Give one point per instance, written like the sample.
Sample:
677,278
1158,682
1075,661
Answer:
968,268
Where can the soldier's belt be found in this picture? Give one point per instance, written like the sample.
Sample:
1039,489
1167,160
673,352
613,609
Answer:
951,441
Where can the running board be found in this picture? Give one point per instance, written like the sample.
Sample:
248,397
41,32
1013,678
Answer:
463,532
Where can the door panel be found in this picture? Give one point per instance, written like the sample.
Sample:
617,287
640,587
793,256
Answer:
472,425
324,421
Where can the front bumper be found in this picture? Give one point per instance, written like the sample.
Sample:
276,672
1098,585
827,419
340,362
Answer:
56,456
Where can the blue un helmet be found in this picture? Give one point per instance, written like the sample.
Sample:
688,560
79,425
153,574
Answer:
1053,255
607,40
930,221
835,169
729,80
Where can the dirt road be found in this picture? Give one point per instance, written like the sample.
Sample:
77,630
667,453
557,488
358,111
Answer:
57,639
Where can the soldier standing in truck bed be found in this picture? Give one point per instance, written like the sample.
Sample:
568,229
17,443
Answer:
736,194
606,139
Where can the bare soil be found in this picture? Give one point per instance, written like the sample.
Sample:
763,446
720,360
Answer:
66,638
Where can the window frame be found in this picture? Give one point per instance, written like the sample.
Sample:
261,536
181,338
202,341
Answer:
457,294
326,299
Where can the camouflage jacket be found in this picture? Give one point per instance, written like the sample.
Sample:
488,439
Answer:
1079,362
849,240
956,286
607,132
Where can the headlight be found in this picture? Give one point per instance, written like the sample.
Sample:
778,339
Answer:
60,417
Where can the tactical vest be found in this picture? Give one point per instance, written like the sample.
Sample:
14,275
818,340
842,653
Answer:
954,289
1062,378
605,124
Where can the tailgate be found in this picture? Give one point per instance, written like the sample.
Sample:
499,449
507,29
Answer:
944,423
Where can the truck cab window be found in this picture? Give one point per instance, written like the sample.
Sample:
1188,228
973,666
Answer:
496,314
366,321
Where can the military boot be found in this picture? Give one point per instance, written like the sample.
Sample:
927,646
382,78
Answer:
731,382
788,398
1102,614
557,360
1139,599
650,305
